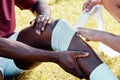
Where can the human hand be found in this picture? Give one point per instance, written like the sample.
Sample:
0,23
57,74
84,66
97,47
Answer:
40,23
89,4
89,34
67,60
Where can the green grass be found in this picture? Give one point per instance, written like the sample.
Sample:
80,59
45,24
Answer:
69,10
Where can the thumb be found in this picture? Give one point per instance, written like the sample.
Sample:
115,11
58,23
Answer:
81,54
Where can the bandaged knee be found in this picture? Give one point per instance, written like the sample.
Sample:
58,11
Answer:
62,35
61,38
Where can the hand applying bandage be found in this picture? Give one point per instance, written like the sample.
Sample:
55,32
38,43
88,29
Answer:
89,4
89,34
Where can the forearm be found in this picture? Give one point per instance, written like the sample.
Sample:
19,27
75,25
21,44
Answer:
41,7
19,51
113,7
110,40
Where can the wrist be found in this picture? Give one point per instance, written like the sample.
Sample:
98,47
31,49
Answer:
53,56
99,36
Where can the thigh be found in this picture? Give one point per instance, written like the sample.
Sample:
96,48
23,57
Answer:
29,37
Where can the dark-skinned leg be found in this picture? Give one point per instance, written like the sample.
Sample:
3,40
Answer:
28,36
87,65
27,57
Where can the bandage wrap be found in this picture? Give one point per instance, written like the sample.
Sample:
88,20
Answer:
84,17
62,35
102,72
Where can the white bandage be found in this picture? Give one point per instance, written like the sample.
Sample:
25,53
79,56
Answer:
62,35
84,16
102,72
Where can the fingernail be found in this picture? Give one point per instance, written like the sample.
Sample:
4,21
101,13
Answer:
42,29
87,10
38,32
86,54
42,19
49,21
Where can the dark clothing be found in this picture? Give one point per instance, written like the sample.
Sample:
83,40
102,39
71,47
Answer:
7,14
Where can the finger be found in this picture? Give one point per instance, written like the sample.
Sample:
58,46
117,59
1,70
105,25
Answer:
86,4
82,54
45,22
50,20
80,30
38,29
44,25
90,6
38,24
78,71
42,18
32,23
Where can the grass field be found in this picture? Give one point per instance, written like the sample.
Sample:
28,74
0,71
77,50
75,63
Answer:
69,10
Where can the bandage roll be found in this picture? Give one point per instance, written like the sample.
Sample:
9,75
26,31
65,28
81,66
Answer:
102,72
62,35
84,16
82,21
99,18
